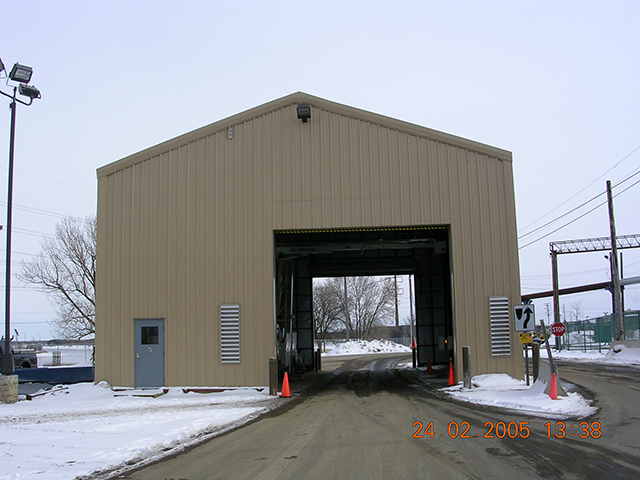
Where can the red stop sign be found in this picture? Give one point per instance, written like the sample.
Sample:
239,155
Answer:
558,329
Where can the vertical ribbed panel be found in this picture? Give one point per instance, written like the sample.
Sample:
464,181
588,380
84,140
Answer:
187,226
500,331
230,333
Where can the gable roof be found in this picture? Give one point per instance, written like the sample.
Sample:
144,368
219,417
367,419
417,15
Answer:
293,99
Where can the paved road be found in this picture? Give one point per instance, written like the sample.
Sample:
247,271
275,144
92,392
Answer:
358,423
617,393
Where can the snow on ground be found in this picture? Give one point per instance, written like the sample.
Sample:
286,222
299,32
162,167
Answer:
360,347
618,355
501,390
73,431
84,428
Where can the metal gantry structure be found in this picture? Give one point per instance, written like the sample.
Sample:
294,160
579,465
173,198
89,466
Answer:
611,243
594,244
600,244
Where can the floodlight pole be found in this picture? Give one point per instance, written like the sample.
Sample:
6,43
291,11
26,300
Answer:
7,357
7,366
22,74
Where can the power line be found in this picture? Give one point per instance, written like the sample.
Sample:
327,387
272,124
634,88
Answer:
564,275
584,214
13,287
36,210
41,322
582,190
630,186
34,233
562,216
21,253
629,177
52,180
563,226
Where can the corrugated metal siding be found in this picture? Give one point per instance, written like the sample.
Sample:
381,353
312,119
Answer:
191,227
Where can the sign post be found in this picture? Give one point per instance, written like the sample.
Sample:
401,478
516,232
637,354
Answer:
524,321
535,359
526,361
551,362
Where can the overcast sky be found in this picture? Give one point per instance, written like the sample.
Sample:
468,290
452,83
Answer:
556,83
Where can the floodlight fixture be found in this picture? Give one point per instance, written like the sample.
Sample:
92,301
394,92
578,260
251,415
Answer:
21,73
304,112
29,91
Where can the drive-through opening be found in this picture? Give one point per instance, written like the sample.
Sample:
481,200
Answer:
302,255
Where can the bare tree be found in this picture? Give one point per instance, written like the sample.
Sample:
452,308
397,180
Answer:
577,310
333,291
359,303
326,308
66,271
372,301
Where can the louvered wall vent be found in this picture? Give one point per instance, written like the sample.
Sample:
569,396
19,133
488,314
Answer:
230,333
500,332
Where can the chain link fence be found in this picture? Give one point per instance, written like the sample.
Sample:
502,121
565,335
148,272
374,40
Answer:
595,334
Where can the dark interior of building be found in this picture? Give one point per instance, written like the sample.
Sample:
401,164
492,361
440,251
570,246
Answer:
302,255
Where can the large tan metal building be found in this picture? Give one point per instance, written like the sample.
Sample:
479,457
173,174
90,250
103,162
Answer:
208,243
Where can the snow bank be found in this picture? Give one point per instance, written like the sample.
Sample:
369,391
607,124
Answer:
503,391
361,347
625,352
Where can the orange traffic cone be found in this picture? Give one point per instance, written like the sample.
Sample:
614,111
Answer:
452,379
285,387
553,388
429,369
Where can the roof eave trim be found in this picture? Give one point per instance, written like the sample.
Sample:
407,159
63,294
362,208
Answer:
317,102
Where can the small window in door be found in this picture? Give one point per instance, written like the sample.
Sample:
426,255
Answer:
149,335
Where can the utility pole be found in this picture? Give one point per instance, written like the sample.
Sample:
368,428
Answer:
622,286
395,282
555,286
411,306
556,293
615,274
346,310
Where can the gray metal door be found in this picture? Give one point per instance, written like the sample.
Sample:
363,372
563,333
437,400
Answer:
149,352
